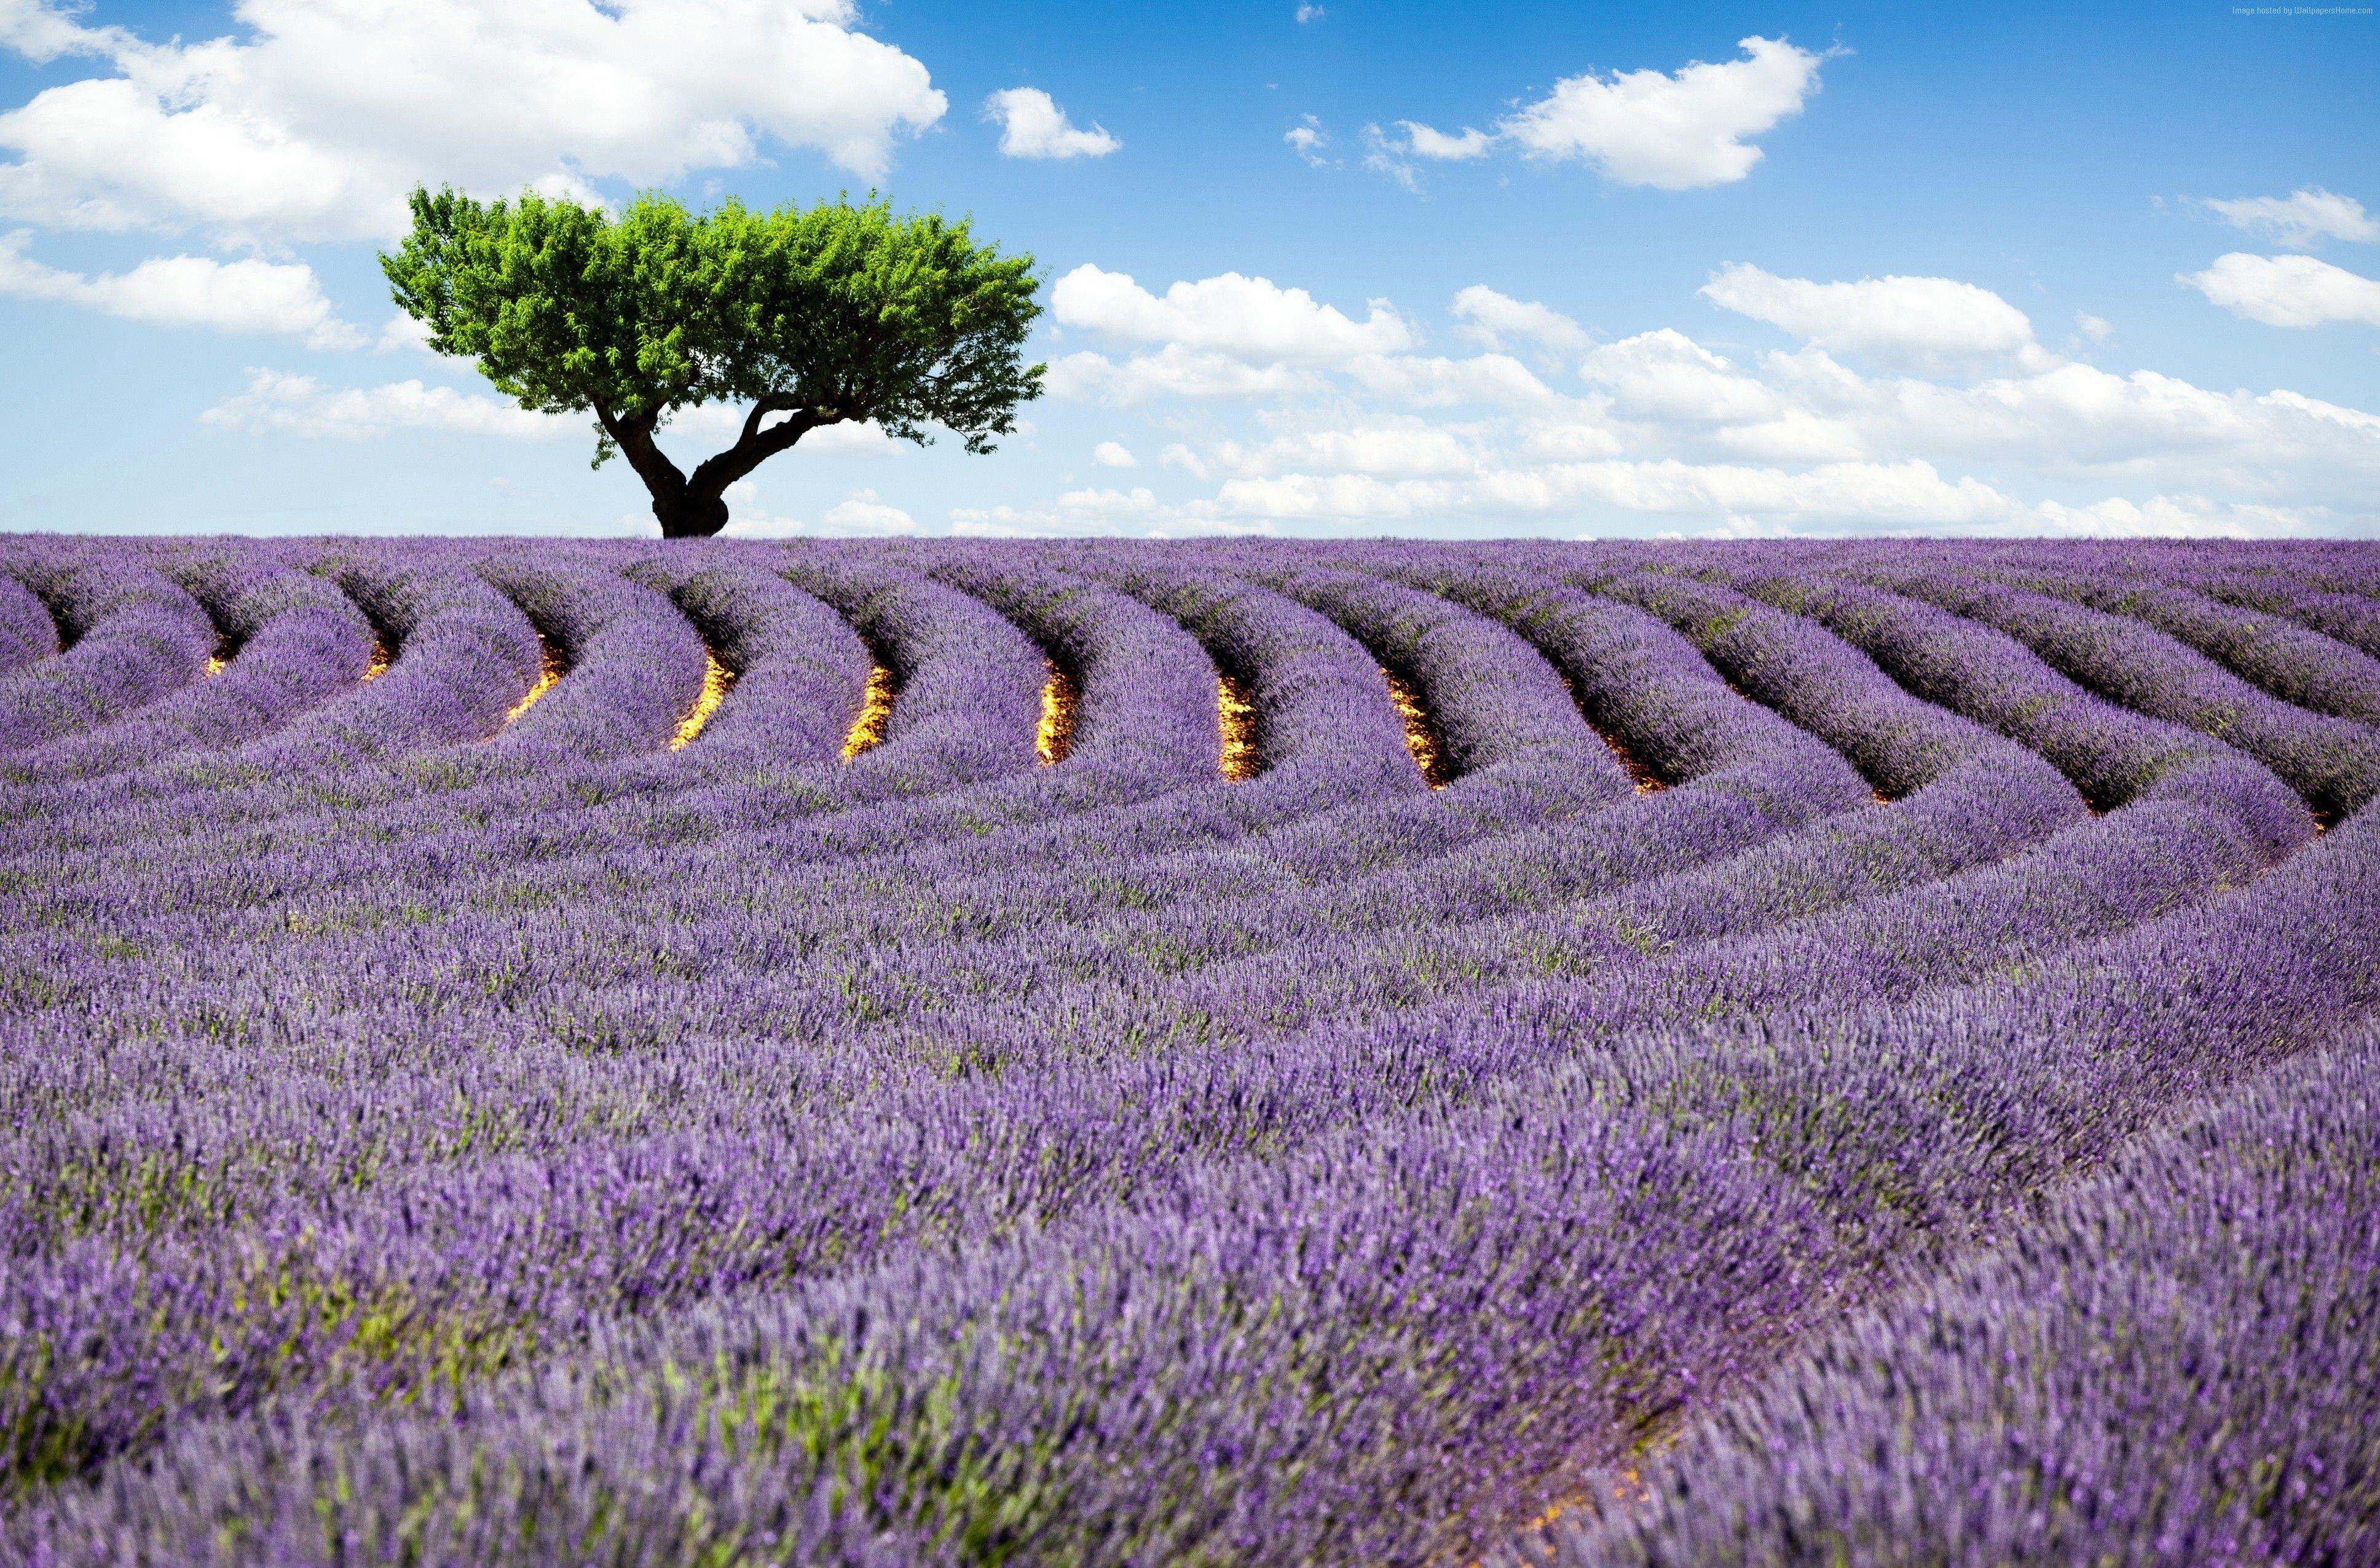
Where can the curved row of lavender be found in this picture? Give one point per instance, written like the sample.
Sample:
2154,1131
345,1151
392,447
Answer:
941,1051
2172,1364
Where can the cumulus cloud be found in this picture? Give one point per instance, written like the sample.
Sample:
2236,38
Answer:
1999,437
2075,421
859,512
314,121
1172,372
1665,377
2099,329
1114,455
1250,319
403,331
2288,291
1959,420
1920,321
1309,12
2169,516
1423,142
1439,381
1389,153
1032,126
1910,496
1307,138
863,511
747,519
189,291
1494,320
1081,512
1674,132
42,32
1403,449
281,402
2302,219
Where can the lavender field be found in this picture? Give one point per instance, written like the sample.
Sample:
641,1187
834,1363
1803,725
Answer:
1091,1052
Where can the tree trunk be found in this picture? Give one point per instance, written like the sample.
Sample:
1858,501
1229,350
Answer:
685,515
696,506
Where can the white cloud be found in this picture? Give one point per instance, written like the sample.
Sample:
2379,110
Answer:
1922,322
859,512
1384,155
1673,132
863,512
1904,494
2099,329
42,33
313,123
2301,220
1409,449
1177,454
1493,320
1078,513
2171,517
1437,381
1138,499
403,331
1307,138
1309,12
189,291
2074,421
1798,441
1665,377
1389,154
1032,126
1114,455
1423,142
279,401
747,519
1247,318
1172,372
2288,291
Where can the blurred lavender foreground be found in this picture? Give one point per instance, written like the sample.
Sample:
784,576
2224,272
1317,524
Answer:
1103,1053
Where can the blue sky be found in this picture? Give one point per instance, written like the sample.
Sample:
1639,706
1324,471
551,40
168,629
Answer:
1700,270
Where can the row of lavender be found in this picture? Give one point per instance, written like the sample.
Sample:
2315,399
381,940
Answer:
745,1151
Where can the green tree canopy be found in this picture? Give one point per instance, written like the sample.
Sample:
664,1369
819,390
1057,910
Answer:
812,316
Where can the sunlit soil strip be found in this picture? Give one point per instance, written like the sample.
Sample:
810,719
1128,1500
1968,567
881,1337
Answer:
1639,773
1629,1487
1238,713
1420,739
381,658
1054,736
717,681
554,670
222,657
868,728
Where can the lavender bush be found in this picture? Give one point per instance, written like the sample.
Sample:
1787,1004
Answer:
937,1052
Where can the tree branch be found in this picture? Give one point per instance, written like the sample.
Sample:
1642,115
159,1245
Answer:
715,474
766,406
634,440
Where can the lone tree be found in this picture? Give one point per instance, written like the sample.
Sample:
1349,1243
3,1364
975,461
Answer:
812,316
